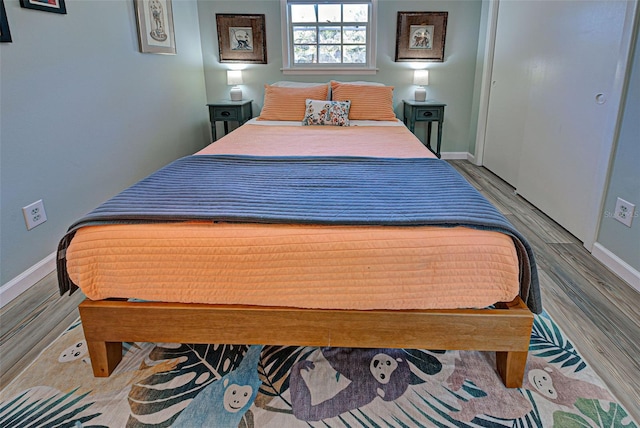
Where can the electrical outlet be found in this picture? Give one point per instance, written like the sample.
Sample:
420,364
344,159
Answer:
34,214
624,212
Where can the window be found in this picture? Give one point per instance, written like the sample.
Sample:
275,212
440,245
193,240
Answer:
328,35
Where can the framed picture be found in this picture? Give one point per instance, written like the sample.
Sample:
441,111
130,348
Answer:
155,26
420,36
5,34
55,6
241,38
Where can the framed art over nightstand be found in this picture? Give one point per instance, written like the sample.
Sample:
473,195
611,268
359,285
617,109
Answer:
242,38
420,36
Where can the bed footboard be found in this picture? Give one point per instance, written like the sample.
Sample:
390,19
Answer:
505,330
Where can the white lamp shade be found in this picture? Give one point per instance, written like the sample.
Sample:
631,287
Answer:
421,77
234,77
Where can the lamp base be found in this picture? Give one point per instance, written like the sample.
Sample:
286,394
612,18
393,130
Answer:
420,94
236,94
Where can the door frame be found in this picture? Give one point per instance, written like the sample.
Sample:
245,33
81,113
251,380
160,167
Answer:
612,123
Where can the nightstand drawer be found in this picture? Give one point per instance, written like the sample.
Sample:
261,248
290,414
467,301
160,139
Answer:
427,114
224,113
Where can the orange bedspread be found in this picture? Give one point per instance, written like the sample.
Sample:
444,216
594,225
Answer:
342,267
374,141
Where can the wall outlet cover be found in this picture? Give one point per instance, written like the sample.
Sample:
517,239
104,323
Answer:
34,214
624,212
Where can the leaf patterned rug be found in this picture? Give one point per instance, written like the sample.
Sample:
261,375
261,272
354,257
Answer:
182,385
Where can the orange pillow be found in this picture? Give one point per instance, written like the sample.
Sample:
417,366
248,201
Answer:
283,103
368,102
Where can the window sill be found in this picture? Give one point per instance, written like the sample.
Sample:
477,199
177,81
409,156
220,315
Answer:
330,70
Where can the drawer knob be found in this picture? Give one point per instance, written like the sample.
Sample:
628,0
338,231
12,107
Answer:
427,114
225,113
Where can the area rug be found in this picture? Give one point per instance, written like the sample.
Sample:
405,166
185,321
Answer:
182,385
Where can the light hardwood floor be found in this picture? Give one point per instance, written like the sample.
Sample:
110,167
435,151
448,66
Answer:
599,312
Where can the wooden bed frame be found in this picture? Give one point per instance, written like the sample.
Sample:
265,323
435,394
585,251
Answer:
505,330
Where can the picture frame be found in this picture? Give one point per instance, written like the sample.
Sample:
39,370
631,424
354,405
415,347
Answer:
55,6
421,36
5,34
241,38
156,33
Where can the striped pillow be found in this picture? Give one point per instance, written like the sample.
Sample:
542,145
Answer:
283,103
367,102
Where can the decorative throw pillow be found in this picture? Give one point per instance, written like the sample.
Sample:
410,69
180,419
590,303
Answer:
321,112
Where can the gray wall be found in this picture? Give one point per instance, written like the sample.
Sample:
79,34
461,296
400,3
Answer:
624,179
451,81
84,114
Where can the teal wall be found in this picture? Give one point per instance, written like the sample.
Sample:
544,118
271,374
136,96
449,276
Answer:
624,180
84,114
451,81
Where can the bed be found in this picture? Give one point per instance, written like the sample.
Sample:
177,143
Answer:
286,234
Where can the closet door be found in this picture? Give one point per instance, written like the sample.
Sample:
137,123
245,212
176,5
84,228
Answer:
571,81
561,69
507,110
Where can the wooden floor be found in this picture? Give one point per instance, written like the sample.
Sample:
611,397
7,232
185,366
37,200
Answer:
599,312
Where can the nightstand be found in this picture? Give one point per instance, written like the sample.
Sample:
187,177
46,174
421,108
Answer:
425,111
229,111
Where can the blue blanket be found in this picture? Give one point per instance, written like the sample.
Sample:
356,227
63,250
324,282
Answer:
318,190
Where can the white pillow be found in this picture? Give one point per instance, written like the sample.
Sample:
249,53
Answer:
362,82
291,84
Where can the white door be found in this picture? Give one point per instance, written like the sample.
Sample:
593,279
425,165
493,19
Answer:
507,111
554,70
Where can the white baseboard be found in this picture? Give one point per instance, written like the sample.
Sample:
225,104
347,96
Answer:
454,155
616,265
26,279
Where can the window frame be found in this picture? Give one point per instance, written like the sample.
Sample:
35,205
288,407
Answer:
289,67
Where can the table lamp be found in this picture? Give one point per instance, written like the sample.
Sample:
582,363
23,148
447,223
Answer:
234,78
421,78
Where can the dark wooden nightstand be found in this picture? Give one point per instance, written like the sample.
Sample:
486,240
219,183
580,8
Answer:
229,111
425,111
